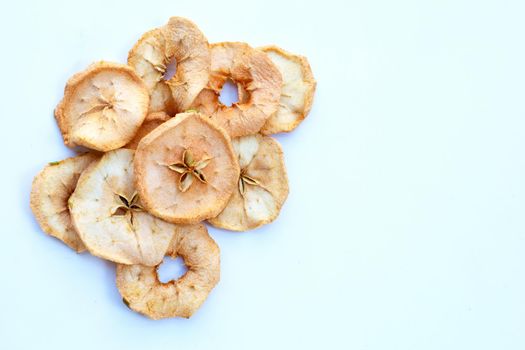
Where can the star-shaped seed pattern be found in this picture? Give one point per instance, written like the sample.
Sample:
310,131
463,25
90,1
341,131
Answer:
103,105
189,169
127,206
245,179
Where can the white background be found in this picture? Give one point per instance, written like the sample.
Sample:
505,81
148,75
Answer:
404,228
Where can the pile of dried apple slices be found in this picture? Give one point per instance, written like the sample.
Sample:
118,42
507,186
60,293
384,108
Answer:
163,156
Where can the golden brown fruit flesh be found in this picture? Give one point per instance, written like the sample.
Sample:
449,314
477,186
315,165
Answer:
179,40
262,185
108,214
186,169
103,107
297,92
151,122
50,193
258,82
142,291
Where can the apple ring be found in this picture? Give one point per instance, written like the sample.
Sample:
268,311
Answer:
142,291
179,40
258,82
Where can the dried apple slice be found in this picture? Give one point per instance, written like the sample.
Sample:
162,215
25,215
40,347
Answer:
103,107
148,58
151,122
142,291
258,82
186,169
262,185
297,92
180,40
51,190
109,218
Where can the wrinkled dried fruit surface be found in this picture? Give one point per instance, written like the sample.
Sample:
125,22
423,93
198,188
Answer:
50,193
151,122
142,291
259,85
160,176
262,185
186,169
103,107
108,214
297,92
180,40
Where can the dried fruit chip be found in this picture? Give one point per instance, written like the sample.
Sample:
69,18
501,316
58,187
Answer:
51,190
186,169
262,187
179,40
142,291
297,92
148,59
151,122
103,107
258,82
109,218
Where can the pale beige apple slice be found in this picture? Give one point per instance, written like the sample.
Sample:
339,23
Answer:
186,169
262,185
258,83
297,92
142,291
103,107
50,193
179,41
108,214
